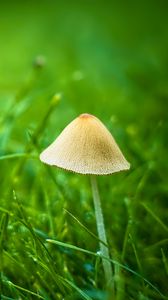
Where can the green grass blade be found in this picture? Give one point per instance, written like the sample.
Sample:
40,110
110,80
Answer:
24,290
17,155
113,261
85,228
159,221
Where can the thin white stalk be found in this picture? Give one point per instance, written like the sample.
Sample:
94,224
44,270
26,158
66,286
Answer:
101,232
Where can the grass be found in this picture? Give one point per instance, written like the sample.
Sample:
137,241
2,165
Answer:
108,59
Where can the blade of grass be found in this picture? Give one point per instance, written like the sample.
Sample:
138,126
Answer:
159,221
158,244
45,284
126,237
12,289
84,227
53,103
66,282
16,262
17,155
113,261
6,298
6,211
164,259
25,290
38,244
80,292
34,137
137,260
135,253
49,210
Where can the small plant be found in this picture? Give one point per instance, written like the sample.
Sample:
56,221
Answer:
86,147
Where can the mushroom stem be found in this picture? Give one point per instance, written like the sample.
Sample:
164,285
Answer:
101,232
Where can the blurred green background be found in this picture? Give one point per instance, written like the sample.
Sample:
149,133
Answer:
106,58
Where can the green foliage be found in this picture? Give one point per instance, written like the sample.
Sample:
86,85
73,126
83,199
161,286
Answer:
60,59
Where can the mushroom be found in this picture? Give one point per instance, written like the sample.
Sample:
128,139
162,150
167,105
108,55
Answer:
85,146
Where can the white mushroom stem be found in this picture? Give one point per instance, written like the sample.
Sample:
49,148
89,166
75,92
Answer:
101,232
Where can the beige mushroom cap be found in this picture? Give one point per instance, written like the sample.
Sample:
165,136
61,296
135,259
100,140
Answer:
85,146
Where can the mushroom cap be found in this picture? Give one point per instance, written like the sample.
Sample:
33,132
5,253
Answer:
85,146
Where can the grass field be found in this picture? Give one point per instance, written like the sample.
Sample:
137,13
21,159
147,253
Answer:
59,59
